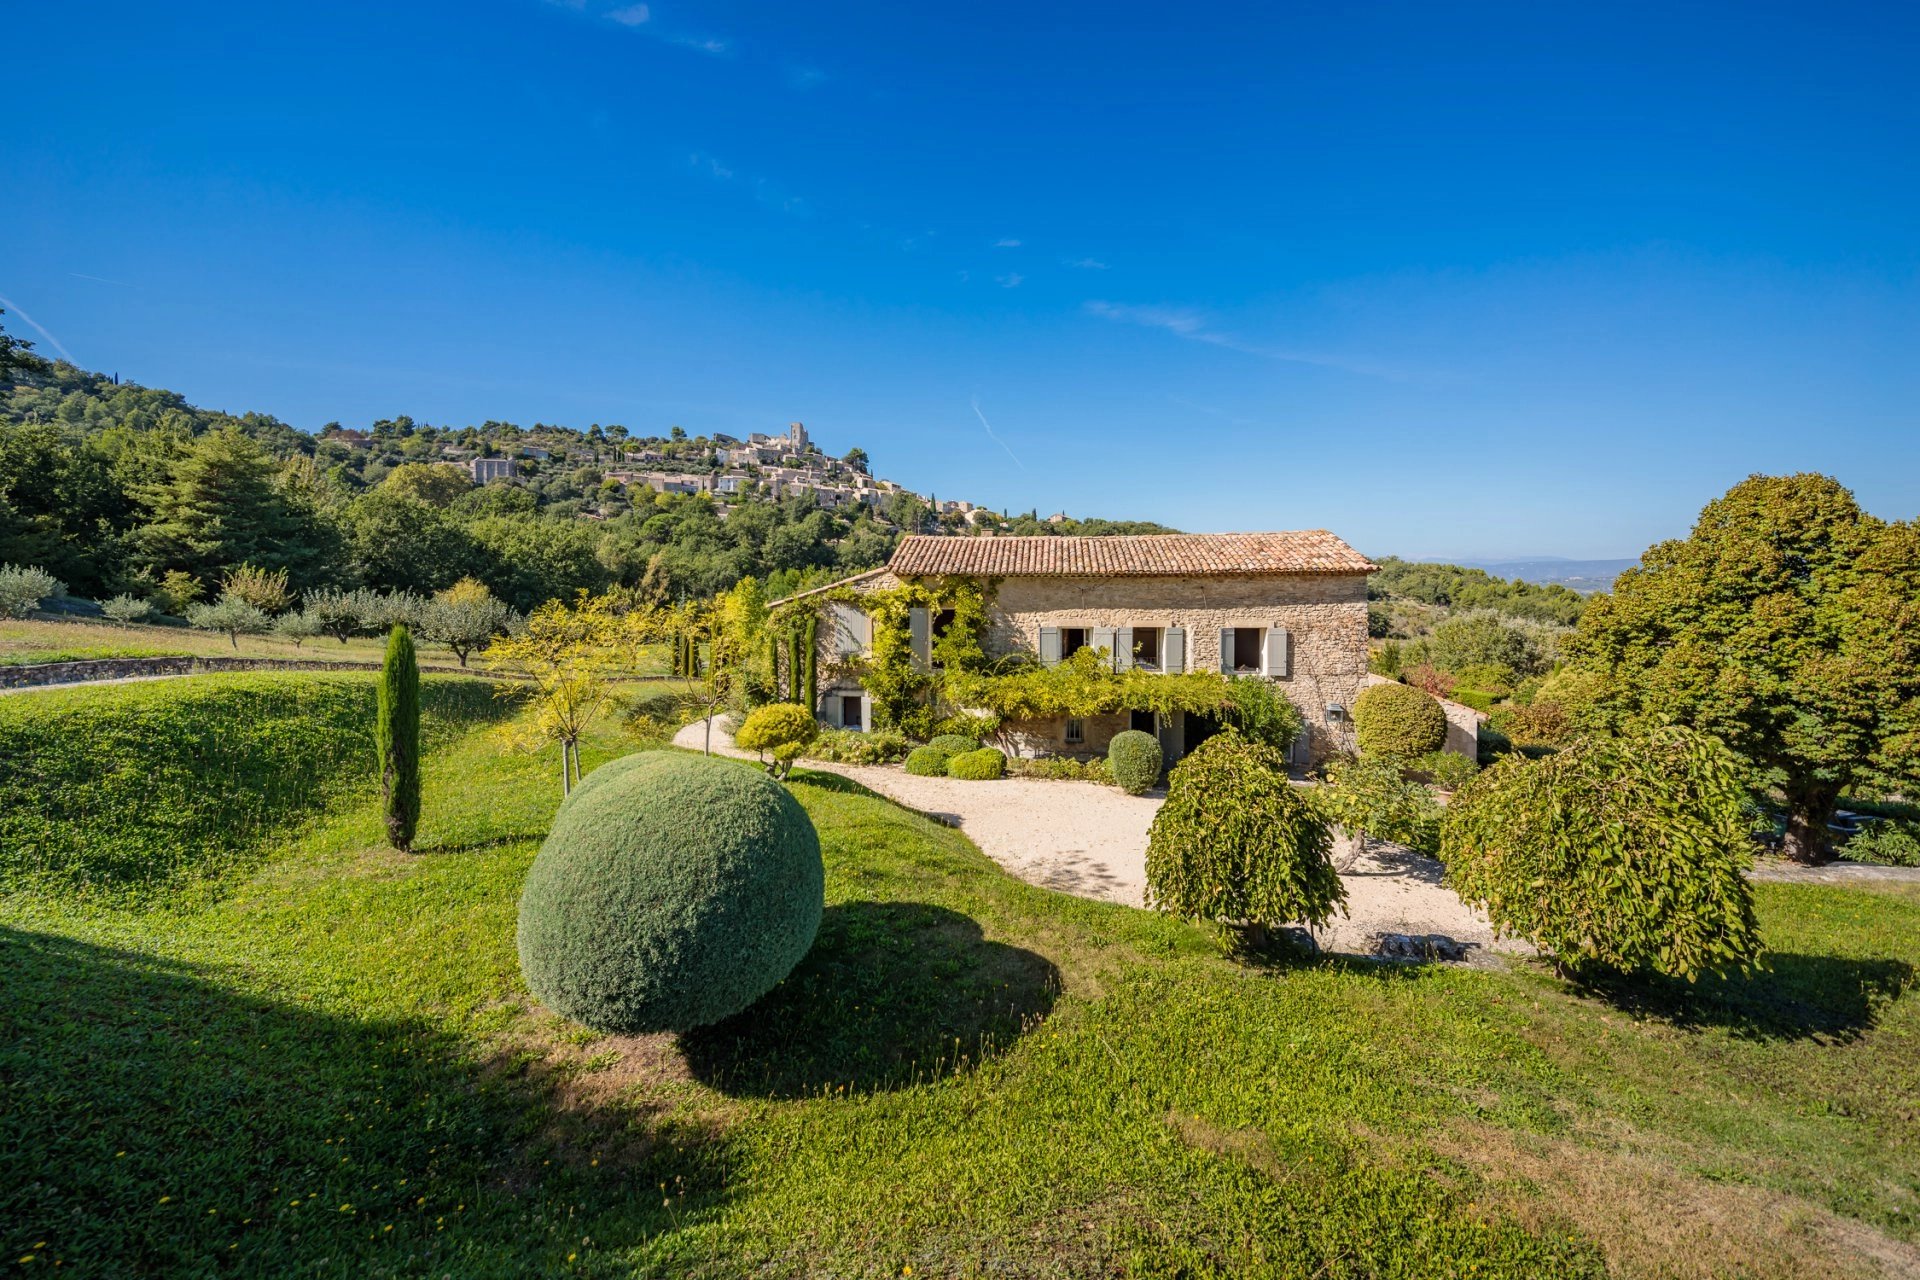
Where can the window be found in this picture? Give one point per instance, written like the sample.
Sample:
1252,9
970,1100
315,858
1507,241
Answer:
1246,649
1072,641
1076,732
1146,648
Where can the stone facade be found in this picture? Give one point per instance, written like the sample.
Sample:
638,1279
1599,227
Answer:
1323,616
1315,623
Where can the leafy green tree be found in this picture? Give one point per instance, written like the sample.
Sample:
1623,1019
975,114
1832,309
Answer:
397,739
1787,625
782,728
232,616
465,617
23,587
126,610
1236,841
264,589
16,358
401,544
218,507
60,508
1626,853
437,484
296,625
343,614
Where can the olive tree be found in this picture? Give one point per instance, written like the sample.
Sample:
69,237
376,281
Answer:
1787,625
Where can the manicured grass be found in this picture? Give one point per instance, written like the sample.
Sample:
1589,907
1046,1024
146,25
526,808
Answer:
333,1069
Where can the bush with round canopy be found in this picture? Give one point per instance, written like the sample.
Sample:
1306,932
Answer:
673,891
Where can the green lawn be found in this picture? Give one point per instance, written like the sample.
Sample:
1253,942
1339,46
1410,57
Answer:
331,1068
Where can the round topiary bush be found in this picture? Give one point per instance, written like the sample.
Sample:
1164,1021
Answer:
954,743
1398,720
1133,757
673,890
983,765
928,761
783,728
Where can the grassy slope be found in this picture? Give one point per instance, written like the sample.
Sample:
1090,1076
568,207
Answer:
334,1072
71,640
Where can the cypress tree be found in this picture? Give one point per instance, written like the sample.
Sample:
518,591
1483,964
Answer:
397,739
810,662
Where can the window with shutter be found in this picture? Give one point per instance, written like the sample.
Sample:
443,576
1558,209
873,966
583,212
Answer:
1279,656
920,636
1174,660
1104,638
1226,650
1050,646
1123,643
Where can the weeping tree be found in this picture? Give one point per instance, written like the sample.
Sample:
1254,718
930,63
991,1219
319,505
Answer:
397,739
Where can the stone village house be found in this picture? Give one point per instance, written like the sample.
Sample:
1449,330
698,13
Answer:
1285,607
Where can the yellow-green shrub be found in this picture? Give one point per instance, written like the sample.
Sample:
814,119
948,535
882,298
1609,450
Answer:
983,765
1398,720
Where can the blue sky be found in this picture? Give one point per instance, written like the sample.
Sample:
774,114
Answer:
1466,280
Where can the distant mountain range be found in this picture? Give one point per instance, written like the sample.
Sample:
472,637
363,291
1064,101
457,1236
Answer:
1584,576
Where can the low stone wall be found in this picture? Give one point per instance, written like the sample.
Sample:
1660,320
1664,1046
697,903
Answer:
94,669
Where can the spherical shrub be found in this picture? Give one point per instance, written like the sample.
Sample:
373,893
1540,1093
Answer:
928,761
673,890
983,765
1622,853
1398,720
1236,841
783,728
954,743
1133,757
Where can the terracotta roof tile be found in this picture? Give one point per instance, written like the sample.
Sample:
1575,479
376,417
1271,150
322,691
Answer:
1158,555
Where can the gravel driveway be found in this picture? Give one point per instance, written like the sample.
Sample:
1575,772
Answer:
1091,840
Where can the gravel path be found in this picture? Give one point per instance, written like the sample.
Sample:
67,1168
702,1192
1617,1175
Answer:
1091,840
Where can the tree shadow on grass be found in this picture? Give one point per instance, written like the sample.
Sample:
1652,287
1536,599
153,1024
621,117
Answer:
156,1121
1832,999
892,993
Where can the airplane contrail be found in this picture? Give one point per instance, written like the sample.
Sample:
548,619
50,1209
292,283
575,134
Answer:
8,305
996,439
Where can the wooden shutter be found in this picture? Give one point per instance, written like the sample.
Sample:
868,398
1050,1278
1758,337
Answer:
1173,651
920,636
1279,655
1050,646
1123,649
830,709
1226,651
1103,638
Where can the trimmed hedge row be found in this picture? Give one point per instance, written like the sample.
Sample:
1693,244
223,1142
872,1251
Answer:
132,789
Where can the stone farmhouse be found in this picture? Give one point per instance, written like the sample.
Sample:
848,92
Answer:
1286,607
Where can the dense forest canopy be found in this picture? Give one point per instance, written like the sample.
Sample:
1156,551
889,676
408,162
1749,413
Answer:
111,486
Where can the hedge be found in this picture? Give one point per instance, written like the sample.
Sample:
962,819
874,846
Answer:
1398,720
673,893
928,762
983,765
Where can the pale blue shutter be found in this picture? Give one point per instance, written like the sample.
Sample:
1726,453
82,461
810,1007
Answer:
1173,655
1050,646
1102,638
1279,653
1227,654
1123,649
920,636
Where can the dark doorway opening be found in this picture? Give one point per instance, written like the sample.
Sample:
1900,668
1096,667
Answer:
1072,640
850,711
1141,720
1246,649
1198,729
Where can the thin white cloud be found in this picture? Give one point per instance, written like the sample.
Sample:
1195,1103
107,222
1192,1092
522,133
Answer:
9,305
1011,280
701,44
996,438
1088,264
1008,243
709,166
1195,326
633,15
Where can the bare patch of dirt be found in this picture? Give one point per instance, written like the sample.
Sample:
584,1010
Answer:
1657,1222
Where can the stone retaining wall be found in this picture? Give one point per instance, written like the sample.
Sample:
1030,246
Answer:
92,669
